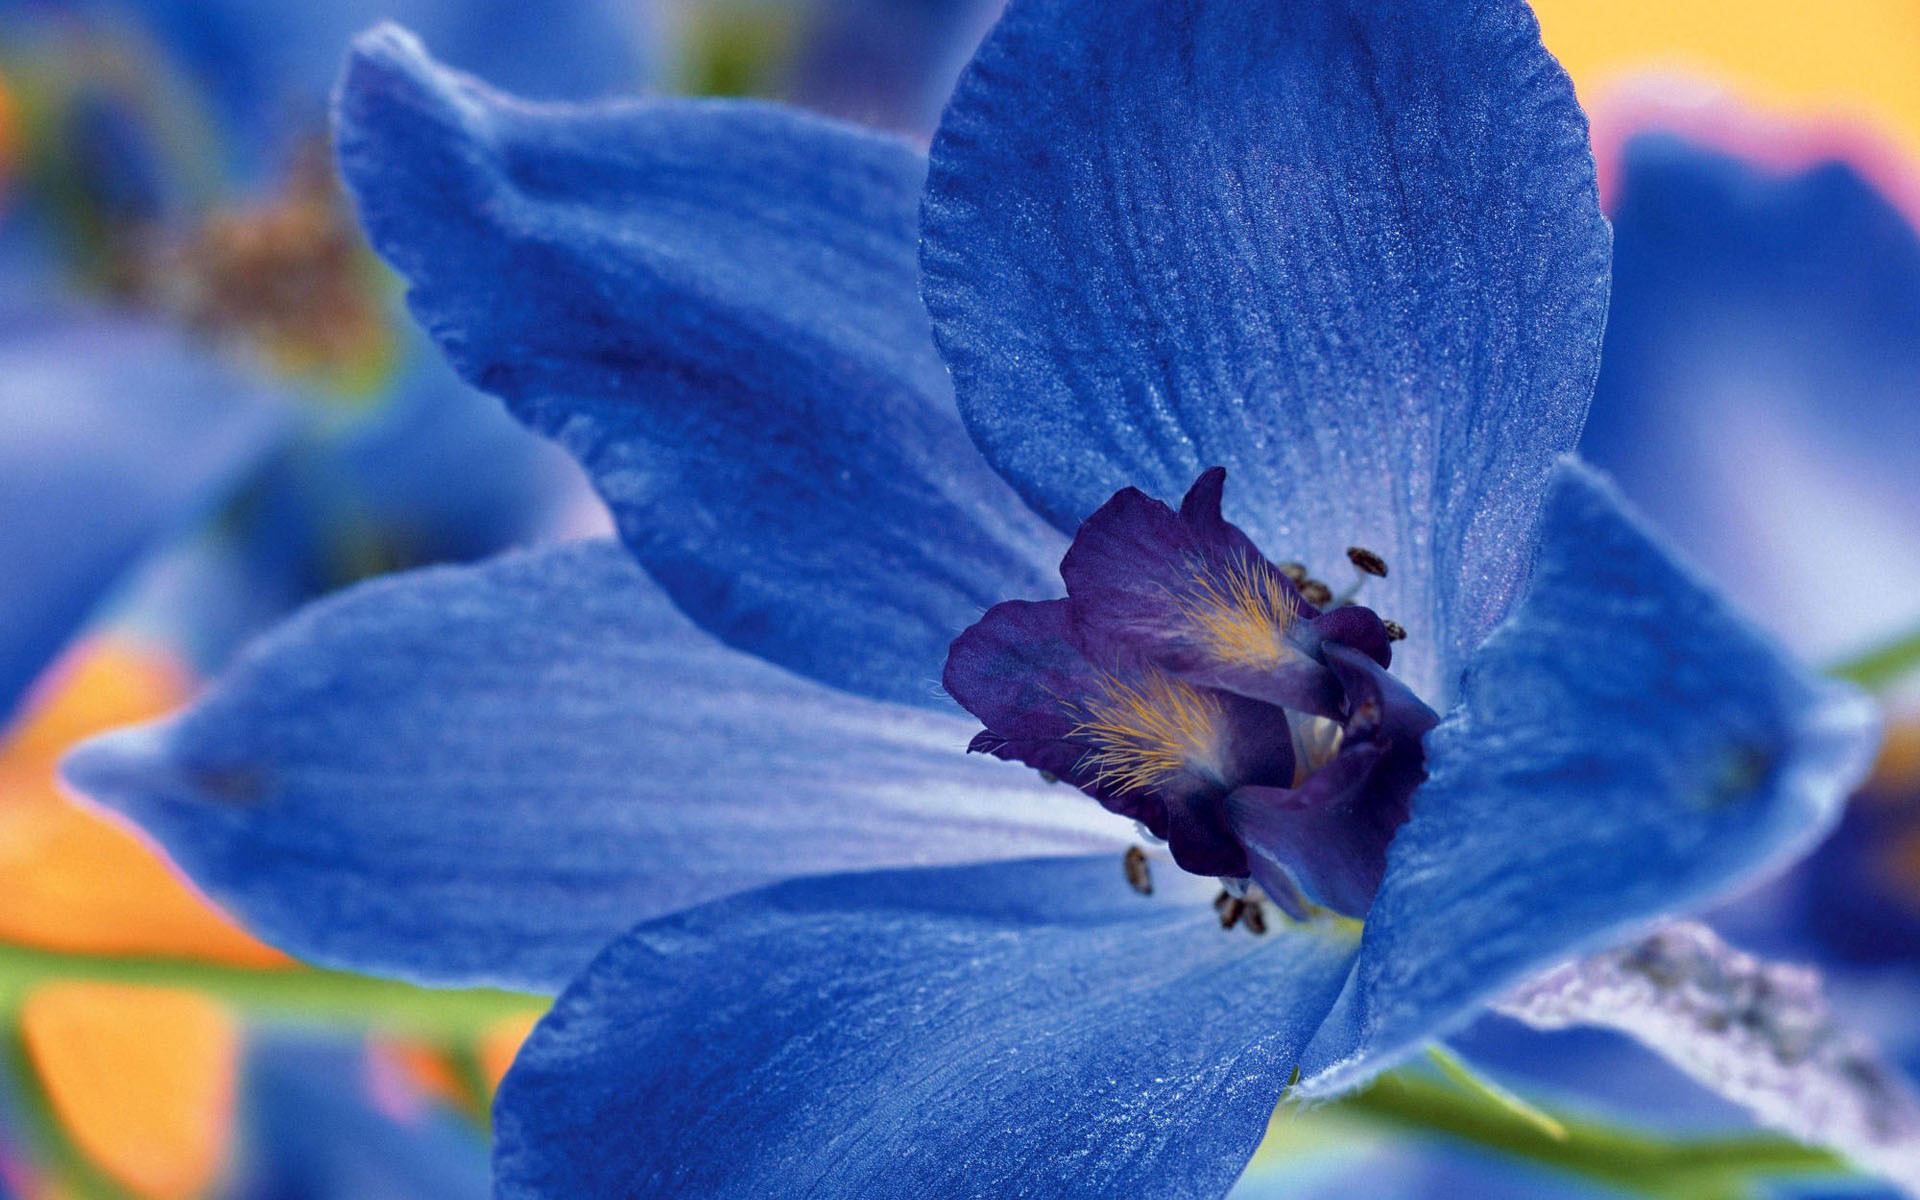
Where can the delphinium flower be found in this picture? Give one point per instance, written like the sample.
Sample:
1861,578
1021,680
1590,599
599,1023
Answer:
1330,278
207,416
1764,337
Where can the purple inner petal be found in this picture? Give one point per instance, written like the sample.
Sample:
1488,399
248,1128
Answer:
1186,683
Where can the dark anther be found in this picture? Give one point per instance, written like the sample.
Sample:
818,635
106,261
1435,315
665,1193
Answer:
1316,593
1253,917
1296,572
1050,777
1367,561
1139,874
1240,910
1231,912
1396,632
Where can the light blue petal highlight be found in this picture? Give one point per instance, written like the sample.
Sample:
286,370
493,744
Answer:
1348,249
474,775
713,306
113,435
1757,397
1627,746
1018,1029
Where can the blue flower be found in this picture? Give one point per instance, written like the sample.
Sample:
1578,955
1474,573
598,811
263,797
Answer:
1347,251
118,435
1764,339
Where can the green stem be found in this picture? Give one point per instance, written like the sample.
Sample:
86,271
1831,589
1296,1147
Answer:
1643,1162
1463,1076
476,1088
1882,666
280,993
55,1154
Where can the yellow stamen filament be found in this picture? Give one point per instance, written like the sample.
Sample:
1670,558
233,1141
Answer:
1243,613
1148,735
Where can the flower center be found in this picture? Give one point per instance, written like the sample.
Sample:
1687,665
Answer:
1239,710
1145,735
1242,613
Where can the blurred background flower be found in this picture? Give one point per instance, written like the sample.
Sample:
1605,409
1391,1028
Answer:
213,408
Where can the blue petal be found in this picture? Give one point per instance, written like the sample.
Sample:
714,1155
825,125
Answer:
484,774
437,473
112,435
885,62
310,1130
268,67
713,306
448,476
1349,249
1758,388
1627,746
1016,1029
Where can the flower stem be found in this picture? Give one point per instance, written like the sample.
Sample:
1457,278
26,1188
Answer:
280,993
1884,665
1645,1163
1486,1089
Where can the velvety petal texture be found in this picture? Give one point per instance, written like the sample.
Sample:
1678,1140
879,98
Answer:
1627,746
1025,1029
485,774
1348,249
713,306
1759,385
112,434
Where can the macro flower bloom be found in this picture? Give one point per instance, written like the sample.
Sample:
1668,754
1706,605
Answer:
1349,254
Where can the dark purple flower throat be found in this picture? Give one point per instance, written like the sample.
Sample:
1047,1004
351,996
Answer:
1191,684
